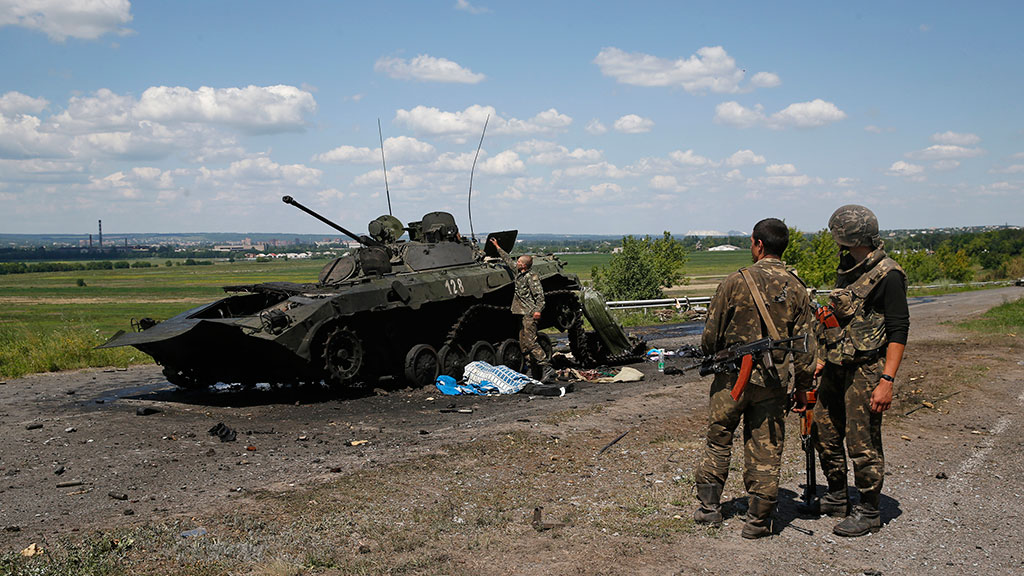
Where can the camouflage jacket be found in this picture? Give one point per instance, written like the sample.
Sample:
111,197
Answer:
529,294
733,319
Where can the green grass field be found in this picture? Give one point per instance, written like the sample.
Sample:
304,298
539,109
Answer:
49,322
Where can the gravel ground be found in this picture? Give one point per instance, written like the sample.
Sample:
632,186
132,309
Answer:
98,451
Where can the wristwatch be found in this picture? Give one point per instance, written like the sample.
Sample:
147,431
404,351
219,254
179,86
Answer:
887,377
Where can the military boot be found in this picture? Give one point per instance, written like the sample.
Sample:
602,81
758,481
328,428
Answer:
759,518
710,510
547,373
863,519
835,503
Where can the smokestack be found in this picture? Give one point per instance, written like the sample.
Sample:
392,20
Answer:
101,234
90,240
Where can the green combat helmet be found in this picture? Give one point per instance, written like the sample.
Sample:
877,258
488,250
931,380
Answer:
854,225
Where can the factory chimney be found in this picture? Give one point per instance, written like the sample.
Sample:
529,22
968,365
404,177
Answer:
101,234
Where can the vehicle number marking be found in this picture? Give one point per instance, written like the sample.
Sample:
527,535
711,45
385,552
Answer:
455,286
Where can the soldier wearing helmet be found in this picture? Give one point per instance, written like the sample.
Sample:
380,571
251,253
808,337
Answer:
860,350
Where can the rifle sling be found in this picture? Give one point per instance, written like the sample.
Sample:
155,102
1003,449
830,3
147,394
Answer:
761,308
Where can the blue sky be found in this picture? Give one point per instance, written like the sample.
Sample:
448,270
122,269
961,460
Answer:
605,118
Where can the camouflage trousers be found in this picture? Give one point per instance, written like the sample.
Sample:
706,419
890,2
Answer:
528,341
843,413
762,409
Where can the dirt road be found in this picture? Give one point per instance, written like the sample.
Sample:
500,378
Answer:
405,482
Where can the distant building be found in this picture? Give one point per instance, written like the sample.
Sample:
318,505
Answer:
724,248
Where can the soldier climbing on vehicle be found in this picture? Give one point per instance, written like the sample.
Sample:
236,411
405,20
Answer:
528,301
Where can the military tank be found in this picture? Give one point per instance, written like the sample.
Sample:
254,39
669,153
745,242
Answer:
403,308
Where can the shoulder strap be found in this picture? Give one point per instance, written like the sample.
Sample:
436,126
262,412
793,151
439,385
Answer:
761,308
866,283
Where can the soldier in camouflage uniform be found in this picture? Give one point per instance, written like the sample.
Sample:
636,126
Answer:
528,302
859,355
733,318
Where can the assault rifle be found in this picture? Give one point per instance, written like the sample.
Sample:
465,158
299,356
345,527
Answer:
740,357
807,441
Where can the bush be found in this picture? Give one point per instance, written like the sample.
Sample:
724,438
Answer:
641,269
80,283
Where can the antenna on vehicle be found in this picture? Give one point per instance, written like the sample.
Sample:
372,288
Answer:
470,202
386,191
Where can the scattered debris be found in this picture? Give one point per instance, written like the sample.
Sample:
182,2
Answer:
193,533
457,410
69,483
250,448
941,476
932,404
302,438
613,442
538,522
59,470
223,432
424,432
146,410
70,429
32,550
12,528
117,495
905,437
33,426
356,442
128,512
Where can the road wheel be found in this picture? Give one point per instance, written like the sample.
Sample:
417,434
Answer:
509,354
343,356
483,351
452,359
421,365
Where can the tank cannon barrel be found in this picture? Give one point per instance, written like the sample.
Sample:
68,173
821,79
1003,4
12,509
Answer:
364,240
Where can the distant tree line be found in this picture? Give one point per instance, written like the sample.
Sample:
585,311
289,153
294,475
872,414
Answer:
926,258
25,268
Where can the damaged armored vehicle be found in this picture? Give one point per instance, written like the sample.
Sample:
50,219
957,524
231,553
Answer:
404,308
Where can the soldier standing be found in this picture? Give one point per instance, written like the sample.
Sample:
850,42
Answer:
528,302
862,346
734,318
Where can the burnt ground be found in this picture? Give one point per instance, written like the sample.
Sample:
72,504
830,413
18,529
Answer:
410,481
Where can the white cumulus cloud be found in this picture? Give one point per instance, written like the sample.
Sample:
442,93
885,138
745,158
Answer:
503,164
427,68
710,69
743,158
956,138
470,122
946,152
813,114
552,154
396,150
688,158
780,169
253,108
633,124
735,114
901,168
765,80
808,114
18,103
596,128
666,183
63,19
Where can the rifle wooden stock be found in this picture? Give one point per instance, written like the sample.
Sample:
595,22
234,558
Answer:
746,367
